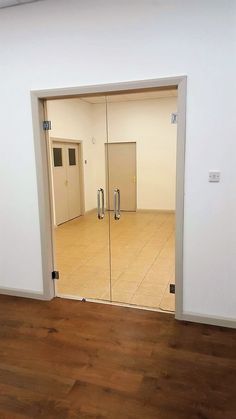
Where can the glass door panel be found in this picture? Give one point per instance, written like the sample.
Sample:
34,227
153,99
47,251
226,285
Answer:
81,241
141,152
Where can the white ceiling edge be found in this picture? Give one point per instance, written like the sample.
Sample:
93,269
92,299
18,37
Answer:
11,3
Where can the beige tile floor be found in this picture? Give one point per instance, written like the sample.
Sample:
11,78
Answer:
142,258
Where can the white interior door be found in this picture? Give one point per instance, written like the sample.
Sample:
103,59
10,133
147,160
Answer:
60,183
73,178
66,181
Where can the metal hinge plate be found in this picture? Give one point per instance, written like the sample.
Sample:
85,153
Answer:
172,288
55,275
47,125
174,118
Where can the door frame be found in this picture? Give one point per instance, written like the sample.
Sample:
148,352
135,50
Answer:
38,98
81,169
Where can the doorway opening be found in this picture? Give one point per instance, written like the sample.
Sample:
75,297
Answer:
123,241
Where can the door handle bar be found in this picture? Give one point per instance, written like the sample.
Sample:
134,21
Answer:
116,204
101,207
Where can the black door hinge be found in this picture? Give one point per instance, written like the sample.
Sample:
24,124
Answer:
47,125
55,275
172,288
174,118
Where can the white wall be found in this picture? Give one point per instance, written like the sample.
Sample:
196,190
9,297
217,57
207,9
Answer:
71,120
58,43
147,122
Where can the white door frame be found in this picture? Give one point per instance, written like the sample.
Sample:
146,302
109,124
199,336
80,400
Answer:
38,97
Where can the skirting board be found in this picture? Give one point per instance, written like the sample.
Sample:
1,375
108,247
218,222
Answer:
14,292
211,320
158,211
76,218
90,211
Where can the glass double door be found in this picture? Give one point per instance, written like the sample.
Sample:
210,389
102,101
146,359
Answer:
115,239
122,248
113,164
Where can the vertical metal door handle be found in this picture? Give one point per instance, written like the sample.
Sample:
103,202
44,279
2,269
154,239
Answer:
103,205
101,208
117,204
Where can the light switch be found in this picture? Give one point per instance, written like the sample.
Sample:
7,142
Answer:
214,176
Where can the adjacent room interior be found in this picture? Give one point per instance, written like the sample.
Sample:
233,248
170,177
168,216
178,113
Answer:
113,177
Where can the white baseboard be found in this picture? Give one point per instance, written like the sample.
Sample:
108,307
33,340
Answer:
14,292
211,320
90,211
158,211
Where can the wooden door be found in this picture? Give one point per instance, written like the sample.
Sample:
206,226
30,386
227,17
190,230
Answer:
122,174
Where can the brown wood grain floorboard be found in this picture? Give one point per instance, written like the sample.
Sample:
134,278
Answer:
67,359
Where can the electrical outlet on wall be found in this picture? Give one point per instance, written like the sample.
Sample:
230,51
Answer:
214,176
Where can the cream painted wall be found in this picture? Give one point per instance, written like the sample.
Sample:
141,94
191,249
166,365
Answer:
147,122
59,43
71,120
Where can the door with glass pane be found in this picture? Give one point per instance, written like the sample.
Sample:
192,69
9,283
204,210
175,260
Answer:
66,179
59,169
121,248
82,244
74,181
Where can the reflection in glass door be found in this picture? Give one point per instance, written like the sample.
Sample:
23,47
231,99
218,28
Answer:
82,249
141,152
122,246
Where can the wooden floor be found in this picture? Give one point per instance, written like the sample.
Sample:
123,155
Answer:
142,258
69,359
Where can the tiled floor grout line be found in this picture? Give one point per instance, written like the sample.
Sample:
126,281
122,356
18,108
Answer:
151,266
143,227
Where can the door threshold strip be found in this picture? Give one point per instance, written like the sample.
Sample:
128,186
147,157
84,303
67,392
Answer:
113,303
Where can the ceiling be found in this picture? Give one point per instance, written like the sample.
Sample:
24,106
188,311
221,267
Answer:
9,3
132,96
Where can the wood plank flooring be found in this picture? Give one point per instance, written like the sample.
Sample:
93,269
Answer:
69,359
142,258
